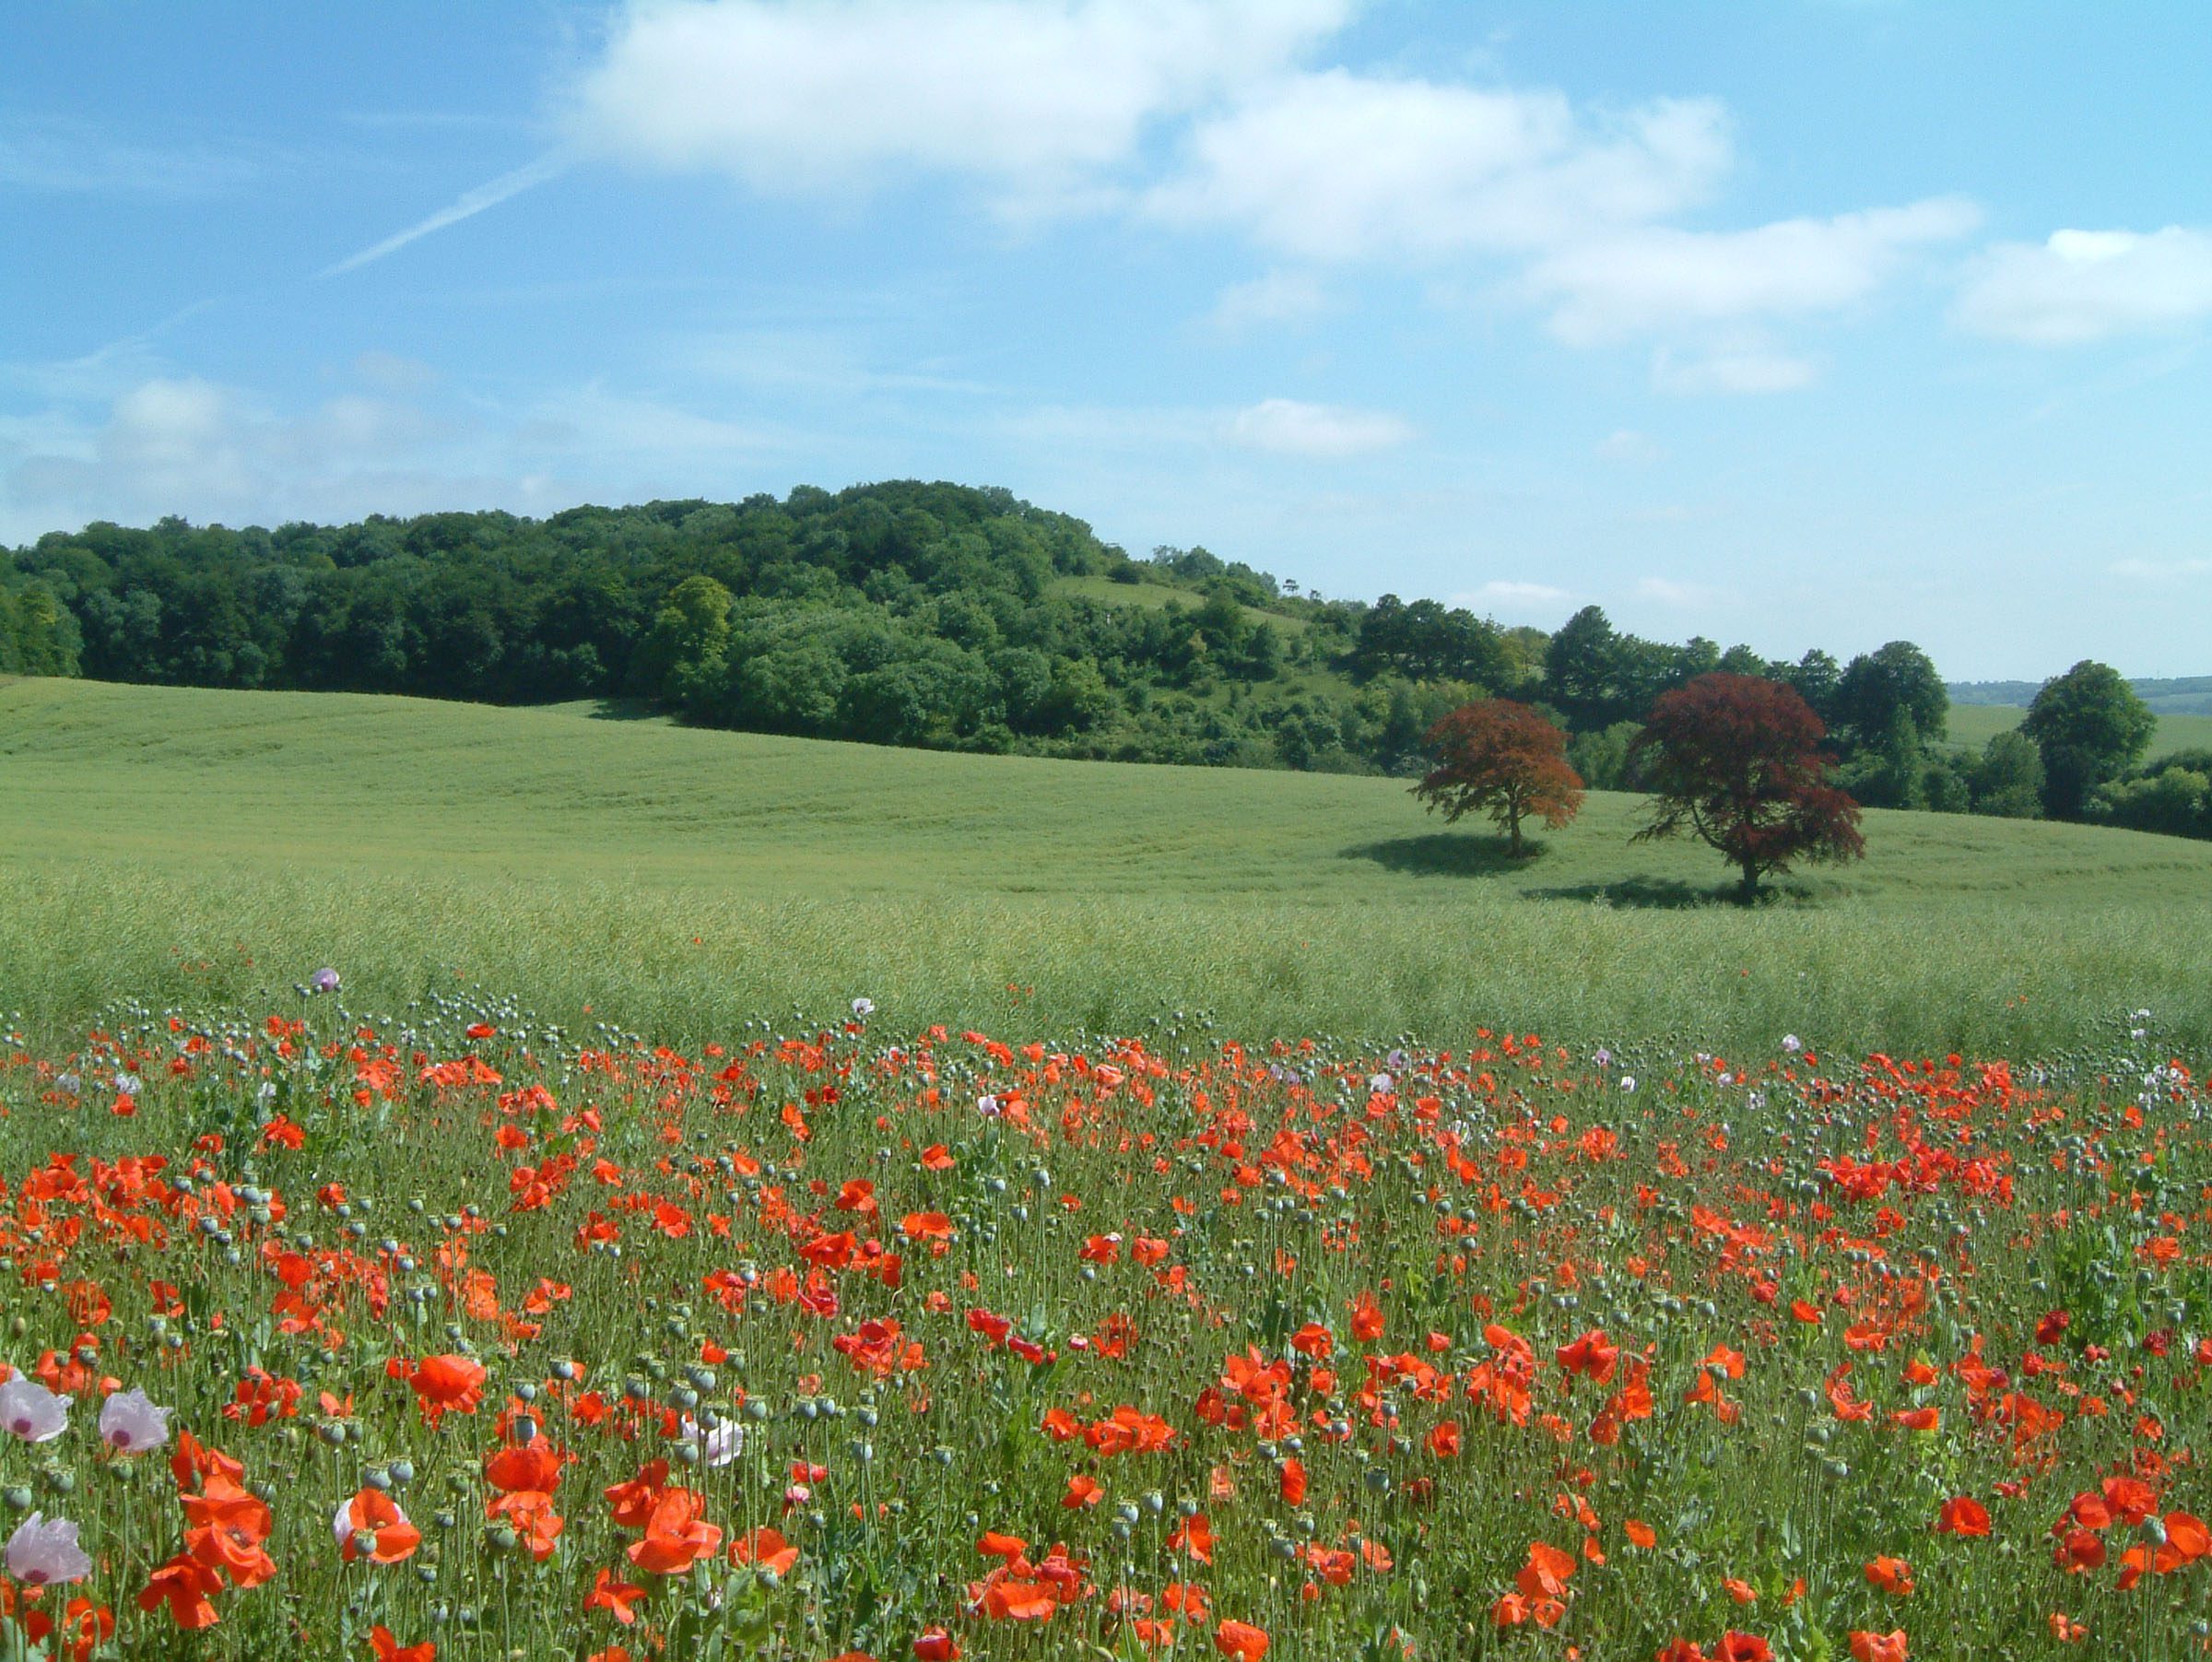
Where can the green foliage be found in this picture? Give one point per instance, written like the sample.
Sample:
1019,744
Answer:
38,635
2091,726
1879,691
2174,797
2007,778
1601,756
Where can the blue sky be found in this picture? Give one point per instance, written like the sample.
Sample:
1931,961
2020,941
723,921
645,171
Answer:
1799,322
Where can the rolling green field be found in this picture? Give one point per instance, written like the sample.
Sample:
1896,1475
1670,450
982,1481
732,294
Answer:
191,845
1974,726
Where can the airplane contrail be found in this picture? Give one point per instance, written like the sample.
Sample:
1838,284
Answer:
465,207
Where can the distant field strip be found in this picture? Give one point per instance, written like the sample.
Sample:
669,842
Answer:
1976,724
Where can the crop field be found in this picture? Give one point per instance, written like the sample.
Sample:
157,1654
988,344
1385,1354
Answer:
502,1184
206,848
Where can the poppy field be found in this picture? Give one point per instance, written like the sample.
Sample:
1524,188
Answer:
446,1332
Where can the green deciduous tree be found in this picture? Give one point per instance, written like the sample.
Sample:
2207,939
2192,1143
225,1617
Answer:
2092,728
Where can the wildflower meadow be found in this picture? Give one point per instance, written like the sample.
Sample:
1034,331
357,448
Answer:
448,1332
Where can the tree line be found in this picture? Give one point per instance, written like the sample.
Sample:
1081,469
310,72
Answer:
914,613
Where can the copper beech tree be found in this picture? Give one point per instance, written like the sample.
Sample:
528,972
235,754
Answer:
1505,759
1736,759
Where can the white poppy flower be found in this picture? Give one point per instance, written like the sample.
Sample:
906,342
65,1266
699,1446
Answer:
130,1423
31,1411
44,1552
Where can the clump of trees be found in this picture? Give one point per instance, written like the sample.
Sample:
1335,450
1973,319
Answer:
1505,760
1735,761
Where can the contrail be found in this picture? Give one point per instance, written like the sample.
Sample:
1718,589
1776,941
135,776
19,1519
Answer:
465,207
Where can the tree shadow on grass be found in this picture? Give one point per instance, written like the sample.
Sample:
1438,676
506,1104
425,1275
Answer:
1446,854
626,710
1671,894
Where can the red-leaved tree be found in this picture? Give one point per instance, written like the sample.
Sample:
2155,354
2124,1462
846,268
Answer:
1505,759
1736,759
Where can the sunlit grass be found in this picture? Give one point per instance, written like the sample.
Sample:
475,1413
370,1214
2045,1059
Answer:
224,844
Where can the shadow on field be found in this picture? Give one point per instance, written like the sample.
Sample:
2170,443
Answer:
1672,894
624,710
1444,854
1658,894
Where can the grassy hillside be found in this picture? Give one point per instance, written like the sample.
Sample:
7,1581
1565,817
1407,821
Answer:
171,843
1975,725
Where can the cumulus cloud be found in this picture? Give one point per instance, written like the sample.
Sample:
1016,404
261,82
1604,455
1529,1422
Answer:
1334,166
1323,431
1205,115
185,444
181,445
1040,98
2081,285
1661,277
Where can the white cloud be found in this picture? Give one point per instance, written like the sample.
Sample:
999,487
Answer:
1203,114
2083,286
2162,571
1336,166
184,444
1733,369
1279,297
1656,278
1043,99
1324,432
1630,447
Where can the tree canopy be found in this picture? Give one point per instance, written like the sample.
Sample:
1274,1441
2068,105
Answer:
1737,760
2091,727
1502,758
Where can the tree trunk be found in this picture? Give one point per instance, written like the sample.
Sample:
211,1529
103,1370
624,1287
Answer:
1513,829
1749,892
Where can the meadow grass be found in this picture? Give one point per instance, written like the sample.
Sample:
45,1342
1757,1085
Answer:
210,846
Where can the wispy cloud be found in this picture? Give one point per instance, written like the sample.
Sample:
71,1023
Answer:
468,206
1327,431
1630,447
67,157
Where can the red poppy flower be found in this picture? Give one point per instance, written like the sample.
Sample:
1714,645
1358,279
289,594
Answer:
1241,1641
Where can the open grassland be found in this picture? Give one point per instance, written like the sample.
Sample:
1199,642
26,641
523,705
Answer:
1974,726
204,846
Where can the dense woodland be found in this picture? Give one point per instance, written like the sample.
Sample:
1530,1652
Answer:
953,618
